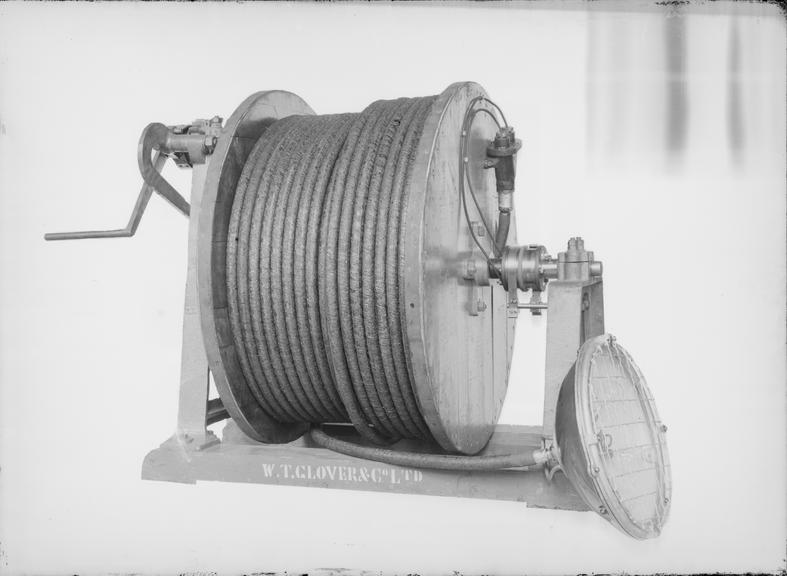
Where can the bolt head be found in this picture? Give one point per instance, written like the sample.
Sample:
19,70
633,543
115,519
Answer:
210,142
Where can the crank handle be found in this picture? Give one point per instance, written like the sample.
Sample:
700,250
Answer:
154,137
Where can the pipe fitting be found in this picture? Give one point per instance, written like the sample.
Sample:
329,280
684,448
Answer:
576,263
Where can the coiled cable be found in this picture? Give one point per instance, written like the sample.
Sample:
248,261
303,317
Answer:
314,269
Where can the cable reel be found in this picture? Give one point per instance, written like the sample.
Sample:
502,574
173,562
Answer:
363,268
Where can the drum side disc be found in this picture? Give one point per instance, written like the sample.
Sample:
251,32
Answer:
240,133
459,361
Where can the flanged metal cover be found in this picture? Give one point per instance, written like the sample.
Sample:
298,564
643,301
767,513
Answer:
612,442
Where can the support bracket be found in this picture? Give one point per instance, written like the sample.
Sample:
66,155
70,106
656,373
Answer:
575,313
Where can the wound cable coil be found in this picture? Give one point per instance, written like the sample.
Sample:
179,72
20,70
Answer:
314,269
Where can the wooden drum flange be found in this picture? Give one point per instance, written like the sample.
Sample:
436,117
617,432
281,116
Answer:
460,361
240,133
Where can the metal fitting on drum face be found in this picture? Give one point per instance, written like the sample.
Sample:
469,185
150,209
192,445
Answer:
502,152
478,270
501,155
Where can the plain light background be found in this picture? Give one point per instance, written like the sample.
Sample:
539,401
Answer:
657,135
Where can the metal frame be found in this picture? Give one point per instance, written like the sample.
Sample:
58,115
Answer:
194,453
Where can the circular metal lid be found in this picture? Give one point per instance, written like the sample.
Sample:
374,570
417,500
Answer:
622,439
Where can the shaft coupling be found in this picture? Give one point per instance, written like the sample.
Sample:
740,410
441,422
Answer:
530,267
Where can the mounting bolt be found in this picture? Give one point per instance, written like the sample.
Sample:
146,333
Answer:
209,143
576,244
470,269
